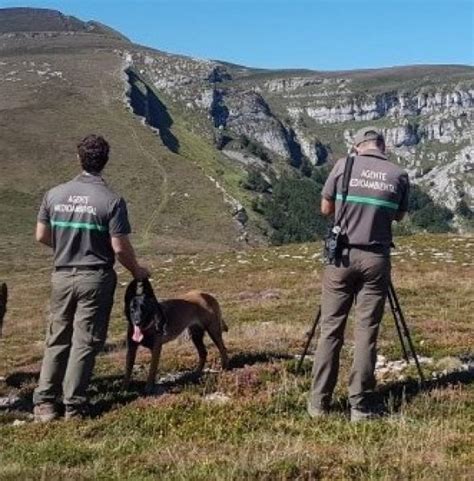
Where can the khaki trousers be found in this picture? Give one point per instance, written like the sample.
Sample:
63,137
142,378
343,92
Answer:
362,276
81,302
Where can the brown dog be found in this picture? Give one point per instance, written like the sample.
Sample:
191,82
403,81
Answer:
3,304
152,324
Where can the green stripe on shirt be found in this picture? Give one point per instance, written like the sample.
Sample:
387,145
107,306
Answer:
360,199
78,225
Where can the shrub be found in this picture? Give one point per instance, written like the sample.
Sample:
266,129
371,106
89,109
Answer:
256,182
320,174
464,210
433,218
418,199
293,211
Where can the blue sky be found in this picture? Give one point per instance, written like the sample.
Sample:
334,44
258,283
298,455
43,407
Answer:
316,34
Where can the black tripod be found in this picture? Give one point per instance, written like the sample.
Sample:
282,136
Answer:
400,324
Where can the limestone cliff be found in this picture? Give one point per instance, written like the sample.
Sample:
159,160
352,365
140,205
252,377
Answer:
425,113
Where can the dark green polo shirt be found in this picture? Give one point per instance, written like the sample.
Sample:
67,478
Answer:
83,215
378,189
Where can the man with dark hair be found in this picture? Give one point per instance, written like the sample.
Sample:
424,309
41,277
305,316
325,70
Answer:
86,225
377,195
93,152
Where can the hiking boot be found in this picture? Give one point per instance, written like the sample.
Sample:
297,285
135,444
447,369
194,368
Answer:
363,414
45,412
317,410
80,411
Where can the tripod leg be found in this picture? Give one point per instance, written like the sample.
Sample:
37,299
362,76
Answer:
406,333
308,341
397,324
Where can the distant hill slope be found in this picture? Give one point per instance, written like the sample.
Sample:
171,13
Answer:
57,89
38,20
212,125
25,19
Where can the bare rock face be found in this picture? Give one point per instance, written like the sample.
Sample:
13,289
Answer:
218,74
312,148
390,104
291,84
311,117
436,146
250,115
405,135
444,181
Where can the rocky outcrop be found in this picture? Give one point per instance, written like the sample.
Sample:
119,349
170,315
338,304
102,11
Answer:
305,118
218,74
411,134
251,116
245,159
313,149
238,211
389,104
144,102
183,78
212,101
445,182
283,85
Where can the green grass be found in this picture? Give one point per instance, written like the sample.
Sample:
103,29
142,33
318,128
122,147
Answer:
262,432
268,437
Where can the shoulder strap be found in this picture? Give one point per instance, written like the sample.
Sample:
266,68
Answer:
346,178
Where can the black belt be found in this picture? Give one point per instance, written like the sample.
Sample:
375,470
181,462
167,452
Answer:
83,268
376,248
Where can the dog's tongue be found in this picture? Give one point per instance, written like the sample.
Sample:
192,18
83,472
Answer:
137,334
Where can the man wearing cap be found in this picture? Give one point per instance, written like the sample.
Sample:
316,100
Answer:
86,225
377,195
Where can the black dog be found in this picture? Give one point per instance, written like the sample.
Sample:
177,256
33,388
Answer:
3,304
144,313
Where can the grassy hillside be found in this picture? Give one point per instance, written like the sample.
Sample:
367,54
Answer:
26,20
250,422
63,78
52,98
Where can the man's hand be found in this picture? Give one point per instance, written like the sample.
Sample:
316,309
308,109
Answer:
328,207
141,273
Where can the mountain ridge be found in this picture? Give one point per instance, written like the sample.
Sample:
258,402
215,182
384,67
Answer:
35,20
233,123
32,19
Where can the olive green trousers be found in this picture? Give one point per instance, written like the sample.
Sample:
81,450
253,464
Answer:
362,277
81,303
